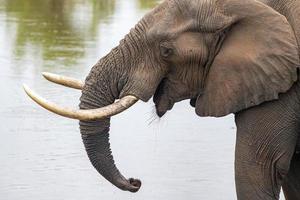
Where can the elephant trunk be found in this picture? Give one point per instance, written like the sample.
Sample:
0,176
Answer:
122,72
101,89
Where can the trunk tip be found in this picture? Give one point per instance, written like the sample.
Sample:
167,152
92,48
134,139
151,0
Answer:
136,183
131,185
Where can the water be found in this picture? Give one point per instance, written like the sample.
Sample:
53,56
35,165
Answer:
178,157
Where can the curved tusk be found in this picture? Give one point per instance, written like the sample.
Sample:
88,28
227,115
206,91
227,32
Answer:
85,115
63,80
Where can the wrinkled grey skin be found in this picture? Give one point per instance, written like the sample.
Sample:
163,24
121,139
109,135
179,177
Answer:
230,56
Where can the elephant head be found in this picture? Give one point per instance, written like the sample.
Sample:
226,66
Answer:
225,56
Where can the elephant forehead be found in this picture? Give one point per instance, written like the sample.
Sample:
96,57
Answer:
170,28
169,19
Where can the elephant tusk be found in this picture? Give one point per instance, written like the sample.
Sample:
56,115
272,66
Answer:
85,115
63,80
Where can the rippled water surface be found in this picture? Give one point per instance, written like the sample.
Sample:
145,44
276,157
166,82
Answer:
180,156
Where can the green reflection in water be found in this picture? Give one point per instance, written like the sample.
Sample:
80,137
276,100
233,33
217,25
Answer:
57,29
147,4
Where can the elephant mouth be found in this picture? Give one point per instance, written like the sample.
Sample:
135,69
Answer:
164,99
163,102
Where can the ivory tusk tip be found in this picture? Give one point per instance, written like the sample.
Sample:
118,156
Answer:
45,73
48,75
63,80
28,91
25,87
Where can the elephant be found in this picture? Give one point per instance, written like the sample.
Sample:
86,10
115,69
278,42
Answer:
225,56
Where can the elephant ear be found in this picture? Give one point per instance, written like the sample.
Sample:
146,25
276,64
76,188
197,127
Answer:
257,61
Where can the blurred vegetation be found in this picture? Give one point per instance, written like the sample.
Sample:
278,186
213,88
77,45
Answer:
147,4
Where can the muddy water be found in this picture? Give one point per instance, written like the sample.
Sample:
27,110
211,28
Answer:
180,156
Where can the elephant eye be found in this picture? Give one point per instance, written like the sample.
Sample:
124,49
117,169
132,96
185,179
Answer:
165,51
